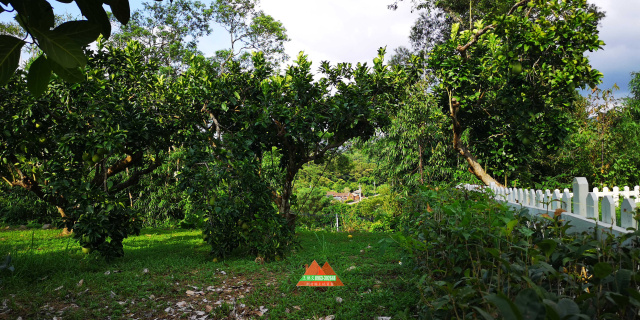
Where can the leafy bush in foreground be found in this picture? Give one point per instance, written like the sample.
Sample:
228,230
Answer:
480,260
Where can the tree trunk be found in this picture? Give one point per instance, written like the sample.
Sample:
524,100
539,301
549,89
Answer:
284,201
66,230
474,166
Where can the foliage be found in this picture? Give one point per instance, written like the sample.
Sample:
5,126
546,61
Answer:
348,168
414,149
478,259
529,54
62,46
81,146
169,31
259,110
249,29
19,207
602,146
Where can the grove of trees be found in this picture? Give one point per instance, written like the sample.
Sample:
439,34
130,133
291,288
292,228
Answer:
140,127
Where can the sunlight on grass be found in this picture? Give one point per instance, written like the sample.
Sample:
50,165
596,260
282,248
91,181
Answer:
160,266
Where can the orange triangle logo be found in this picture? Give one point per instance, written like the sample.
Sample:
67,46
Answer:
315,276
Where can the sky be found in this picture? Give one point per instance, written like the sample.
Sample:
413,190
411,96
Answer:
353,30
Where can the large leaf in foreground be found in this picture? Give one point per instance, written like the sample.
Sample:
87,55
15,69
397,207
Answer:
60,48
39,76
83,31
9,56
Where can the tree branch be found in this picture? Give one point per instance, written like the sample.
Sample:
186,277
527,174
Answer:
135,177
463,49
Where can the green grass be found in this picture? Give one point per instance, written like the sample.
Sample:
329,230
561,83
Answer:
49,269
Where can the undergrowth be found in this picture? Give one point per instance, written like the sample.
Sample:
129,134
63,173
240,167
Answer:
477,259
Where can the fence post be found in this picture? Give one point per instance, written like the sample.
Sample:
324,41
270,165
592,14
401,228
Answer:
627,211
608,210
556,200
547,198
616,196
566,201
592,206
580,190
540,199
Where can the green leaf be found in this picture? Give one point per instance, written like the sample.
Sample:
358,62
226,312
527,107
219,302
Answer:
35,13
60,48
73,75
121,10
547,246
484,314
602,269
623,278
39,76
83,31
528,303
567,307
507,309
621,301
552,310
95,13
9,57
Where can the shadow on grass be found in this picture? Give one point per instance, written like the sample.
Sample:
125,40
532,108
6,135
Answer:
48,256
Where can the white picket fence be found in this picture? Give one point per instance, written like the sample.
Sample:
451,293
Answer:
584,209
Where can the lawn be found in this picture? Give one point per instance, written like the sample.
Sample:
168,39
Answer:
168,274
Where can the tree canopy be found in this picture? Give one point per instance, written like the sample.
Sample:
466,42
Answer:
63,45
507,75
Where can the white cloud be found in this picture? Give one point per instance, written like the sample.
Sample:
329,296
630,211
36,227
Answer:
620,32
341,31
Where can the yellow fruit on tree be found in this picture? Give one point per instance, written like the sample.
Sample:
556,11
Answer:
95,158
516,67
86,250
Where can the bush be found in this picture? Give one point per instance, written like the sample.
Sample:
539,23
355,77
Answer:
239,211
477,259
20,207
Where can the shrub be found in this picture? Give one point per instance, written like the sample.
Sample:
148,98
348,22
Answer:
477,259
